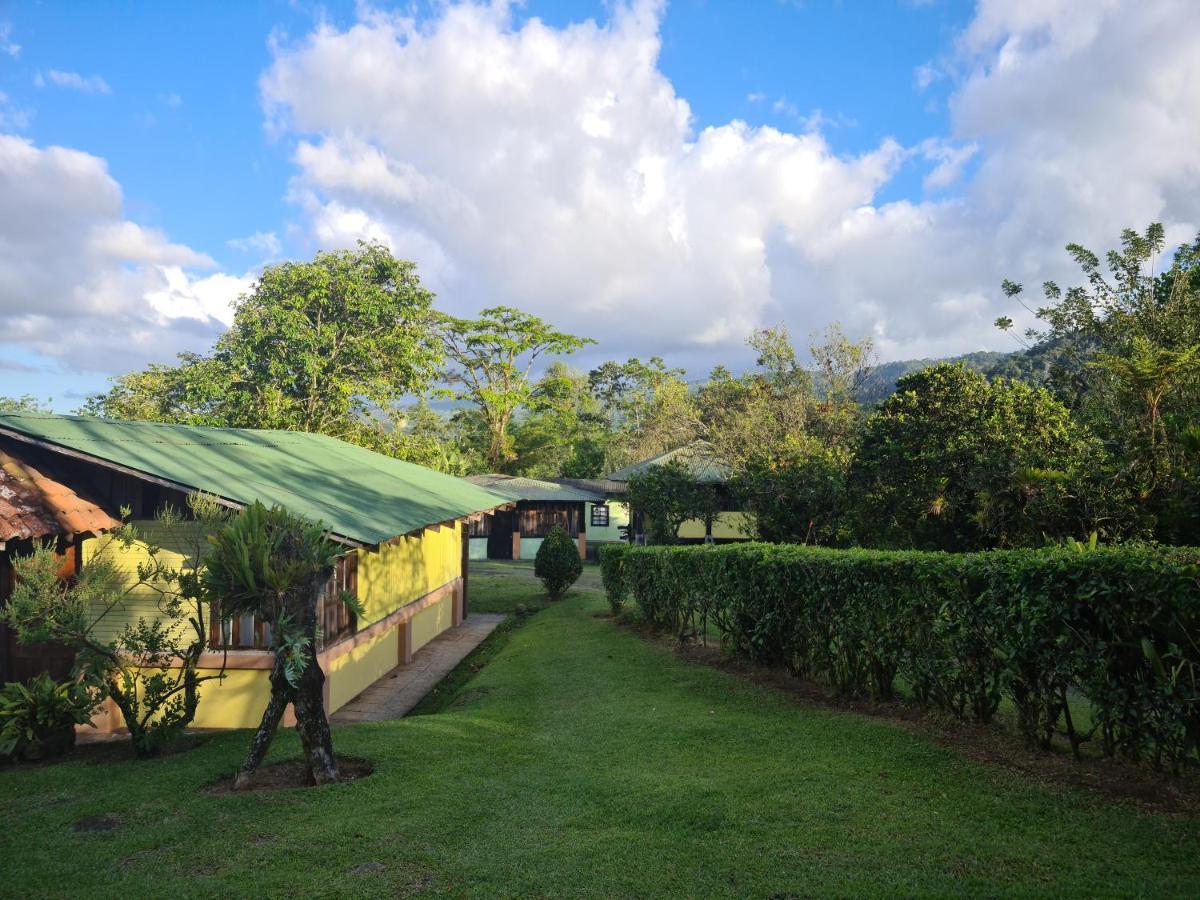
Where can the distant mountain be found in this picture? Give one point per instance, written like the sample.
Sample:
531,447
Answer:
881,382
1032,366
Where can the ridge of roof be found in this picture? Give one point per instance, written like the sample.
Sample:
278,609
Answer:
697,456
520,487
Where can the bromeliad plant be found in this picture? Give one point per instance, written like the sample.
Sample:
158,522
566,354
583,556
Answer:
38,719
273,565
150,668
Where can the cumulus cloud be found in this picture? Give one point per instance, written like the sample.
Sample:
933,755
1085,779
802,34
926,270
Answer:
80,283
86,84
557,169
554,169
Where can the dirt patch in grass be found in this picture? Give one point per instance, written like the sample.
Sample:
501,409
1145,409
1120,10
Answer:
289,774
992,744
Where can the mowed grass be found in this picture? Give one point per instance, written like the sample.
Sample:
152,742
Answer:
584,761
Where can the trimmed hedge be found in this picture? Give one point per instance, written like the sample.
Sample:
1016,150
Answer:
1117,627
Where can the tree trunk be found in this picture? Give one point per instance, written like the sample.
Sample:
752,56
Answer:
311,722
281,695
308,698
313,726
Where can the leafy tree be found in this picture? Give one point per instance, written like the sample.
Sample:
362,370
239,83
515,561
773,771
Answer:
273,565
665,496
647,408
491,360
150,669
1121,352
956,462
563,431
796,493
557,563
419,434
787,433
778,405
316,346
24,403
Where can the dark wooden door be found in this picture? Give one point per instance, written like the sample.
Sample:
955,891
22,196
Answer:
500,539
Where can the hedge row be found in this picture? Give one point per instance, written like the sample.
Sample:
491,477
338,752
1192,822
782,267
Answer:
1116,627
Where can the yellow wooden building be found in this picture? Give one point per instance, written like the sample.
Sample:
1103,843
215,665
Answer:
403,528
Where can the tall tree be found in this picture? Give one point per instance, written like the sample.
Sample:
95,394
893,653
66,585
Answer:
1123,348
647,406
563,432
491,362
316,346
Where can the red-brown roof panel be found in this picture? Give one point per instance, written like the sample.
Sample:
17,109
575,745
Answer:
33,506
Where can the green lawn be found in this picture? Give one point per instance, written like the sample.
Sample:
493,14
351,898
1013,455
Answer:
584,761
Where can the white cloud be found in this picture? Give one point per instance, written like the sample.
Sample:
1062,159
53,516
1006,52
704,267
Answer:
86,84
554,169
558,170
12,118
951,159
82,284
7,46
264,243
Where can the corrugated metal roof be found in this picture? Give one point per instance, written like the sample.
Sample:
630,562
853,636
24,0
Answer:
697,457
517,488
356,494
602,486
33,506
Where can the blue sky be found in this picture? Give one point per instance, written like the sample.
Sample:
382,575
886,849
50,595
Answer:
168,97
182,126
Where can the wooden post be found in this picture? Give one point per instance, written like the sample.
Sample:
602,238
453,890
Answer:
582,545
404,634
516,545
466,567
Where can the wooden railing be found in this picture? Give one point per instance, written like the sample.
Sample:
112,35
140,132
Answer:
335,619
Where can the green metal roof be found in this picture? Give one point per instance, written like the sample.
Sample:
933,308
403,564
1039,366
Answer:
516,488
697,457
355,493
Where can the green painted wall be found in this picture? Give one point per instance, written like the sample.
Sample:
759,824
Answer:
618,515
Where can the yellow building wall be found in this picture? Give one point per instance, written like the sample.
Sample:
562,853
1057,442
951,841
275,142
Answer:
731,525
176,544
432,621
406,570
236,701
389,578
352,673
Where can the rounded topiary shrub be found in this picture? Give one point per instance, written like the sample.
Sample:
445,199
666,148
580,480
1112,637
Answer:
557,562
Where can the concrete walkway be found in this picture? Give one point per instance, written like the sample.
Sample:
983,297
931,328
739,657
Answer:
397,692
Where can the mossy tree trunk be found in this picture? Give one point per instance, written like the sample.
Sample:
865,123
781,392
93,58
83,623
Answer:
307,696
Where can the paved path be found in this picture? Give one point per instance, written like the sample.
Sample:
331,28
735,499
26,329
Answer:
393,695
